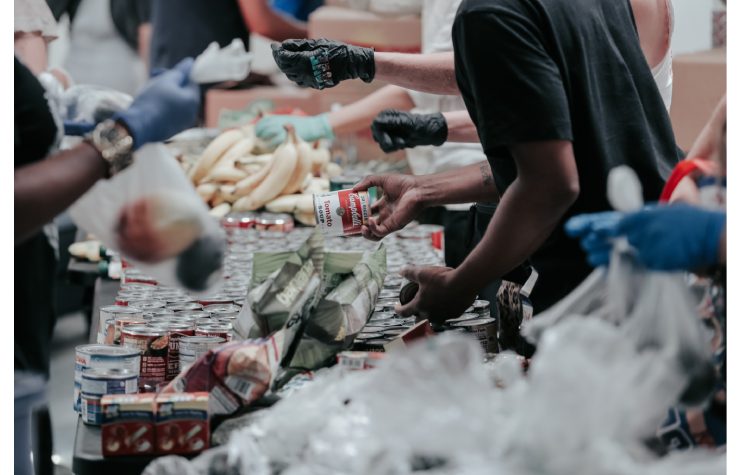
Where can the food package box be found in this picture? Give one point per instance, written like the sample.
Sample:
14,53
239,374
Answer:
421,330
128,424
383,33
699,82
359,360
223,106
182,423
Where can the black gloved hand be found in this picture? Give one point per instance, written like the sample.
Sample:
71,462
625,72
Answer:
396,130
323,63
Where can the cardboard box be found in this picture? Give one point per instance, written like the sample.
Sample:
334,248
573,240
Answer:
699,82
221,102
128,424
182,423
383,33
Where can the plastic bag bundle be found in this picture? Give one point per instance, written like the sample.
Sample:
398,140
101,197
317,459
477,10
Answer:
186,245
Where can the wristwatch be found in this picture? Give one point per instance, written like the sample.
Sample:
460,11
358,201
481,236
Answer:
115,144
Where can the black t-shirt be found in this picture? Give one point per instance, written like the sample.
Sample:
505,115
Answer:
182,28
35,130
535,70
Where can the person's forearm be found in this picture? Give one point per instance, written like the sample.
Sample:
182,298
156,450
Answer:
359,115
524,218
31,49
432,73
460,127
144,39
262,19
461,185
44,189
706,143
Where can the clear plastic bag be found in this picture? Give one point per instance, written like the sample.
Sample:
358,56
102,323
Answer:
195,239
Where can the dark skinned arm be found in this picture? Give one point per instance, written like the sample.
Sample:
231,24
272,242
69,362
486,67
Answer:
529,210
46,188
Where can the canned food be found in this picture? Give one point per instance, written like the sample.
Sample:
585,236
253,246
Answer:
223,311
482,308
147,304
368,336
193,347
101,357
99,381
184,307
175,332
131,277
133,287
91,410
393,332
153,345
158,312
381,316
219,299
465,317
220,329
387,304
124,299
123,321
239,220
279,222
485,330
341,213
107,318
193,314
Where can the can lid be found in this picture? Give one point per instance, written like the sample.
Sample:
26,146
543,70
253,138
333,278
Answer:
143,330
120,309
112,351
474,323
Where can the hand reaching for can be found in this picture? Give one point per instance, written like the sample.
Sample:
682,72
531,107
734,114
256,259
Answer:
400,204
441,295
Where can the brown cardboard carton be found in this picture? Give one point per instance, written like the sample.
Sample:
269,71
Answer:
276,97
699,82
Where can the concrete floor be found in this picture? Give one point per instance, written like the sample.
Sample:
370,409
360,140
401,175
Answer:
70,331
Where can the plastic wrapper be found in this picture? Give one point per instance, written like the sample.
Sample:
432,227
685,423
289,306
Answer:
189,243
351,282
93,104
239,373
215,64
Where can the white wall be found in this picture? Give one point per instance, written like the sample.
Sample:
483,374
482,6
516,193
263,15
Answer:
693,27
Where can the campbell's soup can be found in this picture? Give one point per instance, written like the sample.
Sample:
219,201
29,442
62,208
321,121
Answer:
220,329
175,332
341,213
226,311
153,345
101,357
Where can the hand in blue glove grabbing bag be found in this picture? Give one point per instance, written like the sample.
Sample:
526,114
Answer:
667,238
168,104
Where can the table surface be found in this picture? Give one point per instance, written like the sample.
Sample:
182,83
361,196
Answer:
88,456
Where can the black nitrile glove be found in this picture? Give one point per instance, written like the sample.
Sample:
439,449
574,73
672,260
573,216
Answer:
323,63
396,130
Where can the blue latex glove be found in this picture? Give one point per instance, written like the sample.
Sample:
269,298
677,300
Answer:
167,105
271,130
72,128
596,232
678,237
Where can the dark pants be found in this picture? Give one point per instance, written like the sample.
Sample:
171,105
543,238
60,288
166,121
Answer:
35,316
456,229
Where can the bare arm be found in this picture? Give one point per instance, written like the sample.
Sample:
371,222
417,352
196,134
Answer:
460,127
359,115
462,185
31,48
529,210
433,73
263,20
46,188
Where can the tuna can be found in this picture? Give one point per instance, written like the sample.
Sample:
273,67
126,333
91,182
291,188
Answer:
184,307
136,287
158,313
194,314
485,330
276,222
107,318
148,304
228,311
482,308
133,277
387,304
91,409
341,213
388,293
368,336
101,357
393,332
175,332
193,347
153,346
381,316
218,299
220,329
99,381
124,299
465,317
